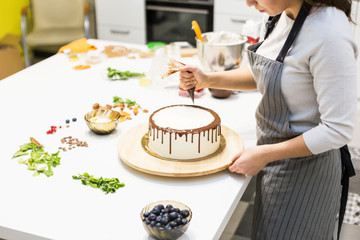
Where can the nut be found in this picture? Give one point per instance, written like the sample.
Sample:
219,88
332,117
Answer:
96,106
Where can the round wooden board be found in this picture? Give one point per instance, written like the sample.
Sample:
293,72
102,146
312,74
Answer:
131,152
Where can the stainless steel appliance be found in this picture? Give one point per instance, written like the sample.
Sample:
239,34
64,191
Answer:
170,20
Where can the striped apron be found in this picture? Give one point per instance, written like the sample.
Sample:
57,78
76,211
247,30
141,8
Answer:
297,198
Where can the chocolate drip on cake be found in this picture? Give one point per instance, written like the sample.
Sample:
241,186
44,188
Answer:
214,125
170,143
199,143
216,134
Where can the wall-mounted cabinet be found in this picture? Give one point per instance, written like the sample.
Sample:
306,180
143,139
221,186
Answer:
231,15
121,20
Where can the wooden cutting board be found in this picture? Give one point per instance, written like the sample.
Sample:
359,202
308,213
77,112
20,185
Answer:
132,153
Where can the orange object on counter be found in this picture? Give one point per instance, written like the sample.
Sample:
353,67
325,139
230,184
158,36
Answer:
124,116
81,67
78,46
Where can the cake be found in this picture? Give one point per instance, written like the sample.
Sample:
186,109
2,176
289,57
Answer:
184,132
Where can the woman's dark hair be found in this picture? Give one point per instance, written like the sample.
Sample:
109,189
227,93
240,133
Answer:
343,5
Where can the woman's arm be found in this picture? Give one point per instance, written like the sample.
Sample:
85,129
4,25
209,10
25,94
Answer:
251,160
237,79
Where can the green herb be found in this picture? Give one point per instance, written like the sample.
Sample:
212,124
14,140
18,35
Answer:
39,161
116,74
24,148
131,103
118,100
107,185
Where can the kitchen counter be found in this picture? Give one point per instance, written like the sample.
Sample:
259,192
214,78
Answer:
58,207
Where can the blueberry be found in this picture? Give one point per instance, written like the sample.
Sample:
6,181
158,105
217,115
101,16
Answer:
169,206
167,227
164,220
152,217
179,220
146,214
74,119
173,215
158,218
184,221
166,210
158,225
156,211
185,213
147,221
173,224
174,210
152,223
160,206
67,121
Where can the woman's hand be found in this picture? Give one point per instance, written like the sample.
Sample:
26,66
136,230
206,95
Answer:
249,161
191,76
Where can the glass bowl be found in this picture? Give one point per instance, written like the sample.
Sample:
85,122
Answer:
102,121
166,232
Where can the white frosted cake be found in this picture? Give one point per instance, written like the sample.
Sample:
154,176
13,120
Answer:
184,132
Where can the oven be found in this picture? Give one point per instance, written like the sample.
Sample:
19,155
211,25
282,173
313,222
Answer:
170,20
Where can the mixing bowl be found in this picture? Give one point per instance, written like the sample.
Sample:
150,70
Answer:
220,51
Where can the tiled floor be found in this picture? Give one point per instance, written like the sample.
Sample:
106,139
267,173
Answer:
239,226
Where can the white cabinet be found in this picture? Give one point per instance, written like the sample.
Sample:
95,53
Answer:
231,15
121,20
355,8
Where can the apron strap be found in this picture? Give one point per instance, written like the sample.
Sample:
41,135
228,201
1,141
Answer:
270,24
300,19
347,172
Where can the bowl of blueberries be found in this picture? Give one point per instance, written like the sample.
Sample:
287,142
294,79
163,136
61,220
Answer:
166,219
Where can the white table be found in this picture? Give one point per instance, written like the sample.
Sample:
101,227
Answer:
59,207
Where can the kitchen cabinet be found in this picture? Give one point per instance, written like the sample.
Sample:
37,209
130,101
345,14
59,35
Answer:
231,15
356,31
121,20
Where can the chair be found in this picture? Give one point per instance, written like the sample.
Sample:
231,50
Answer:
46,25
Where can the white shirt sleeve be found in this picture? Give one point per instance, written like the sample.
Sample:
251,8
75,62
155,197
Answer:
333,67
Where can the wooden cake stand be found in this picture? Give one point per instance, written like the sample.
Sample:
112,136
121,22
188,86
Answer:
132,153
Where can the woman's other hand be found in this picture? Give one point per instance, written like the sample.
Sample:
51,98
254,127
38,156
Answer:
249,161
192,76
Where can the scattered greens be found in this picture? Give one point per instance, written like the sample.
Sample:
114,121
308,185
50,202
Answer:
119,100
131,103
107,185
116,74
39,161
